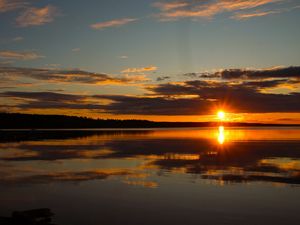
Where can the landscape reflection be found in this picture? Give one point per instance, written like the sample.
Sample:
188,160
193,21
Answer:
174,171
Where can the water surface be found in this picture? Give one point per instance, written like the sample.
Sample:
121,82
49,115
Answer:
163,176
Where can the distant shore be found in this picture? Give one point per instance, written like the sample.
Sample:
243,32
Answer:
35,121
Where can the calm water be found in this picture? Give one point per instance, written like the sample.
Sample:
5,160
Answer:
156,177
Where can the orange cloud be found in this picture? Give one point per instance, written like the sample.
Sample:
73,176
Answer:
112,23
10,5
140,70
165,6
242,16
208,10
244,4
37,16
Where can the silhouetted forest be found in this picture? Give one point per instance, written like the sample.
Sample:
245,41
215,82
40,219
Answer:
32,121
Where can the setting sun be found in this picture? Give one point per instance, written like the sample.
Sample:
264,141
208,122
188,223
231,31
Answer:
221,115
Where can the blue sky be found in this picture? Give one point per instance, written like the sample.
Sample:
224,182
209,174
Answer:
147,39
175,46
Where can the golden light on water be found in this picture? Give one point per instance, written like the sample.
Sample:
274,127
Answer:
221,135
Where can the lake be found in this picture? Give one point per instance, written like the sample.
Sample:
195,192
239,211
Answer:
154,176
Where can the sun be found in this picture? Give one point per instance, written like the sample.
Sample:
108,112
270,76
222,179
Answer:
221,115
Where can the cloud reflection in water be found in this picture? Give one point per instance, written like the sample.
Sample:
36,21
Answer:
137,158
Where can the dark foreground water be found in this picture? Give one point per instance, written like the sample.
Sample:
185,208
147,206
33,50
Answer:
154,177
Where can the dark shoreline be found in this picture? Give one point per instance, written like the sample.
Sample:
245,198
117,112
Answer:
53,122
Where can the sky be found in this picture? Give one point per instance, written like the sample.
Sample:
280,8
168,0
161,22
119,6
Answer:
159,60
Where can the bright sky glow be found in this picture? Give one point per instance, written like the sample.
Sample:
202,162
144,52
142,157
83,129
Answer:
221,115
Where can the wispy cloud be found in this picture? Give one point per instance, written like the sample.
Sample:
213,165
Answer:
209,9
68,76
166,6
37,16
10,5
243,16
53,100
260,13
15,55
112,23
140,70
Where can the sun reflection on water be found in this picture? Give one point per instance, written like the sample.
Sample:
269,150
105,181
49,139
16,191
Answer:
221,135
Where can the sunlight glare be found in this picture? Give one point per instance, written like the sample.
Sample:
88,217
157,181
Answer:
221,115
221,136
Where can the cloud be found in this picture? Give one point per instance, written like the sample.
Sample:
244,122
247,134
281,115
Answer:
166,6
44,96
140,70
243,16
163,78
120,104
67,76
268,83
276,72
236,90
260,13
141,105
112,23
51,100
37,16
199,97
11,5
173,10
15,55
